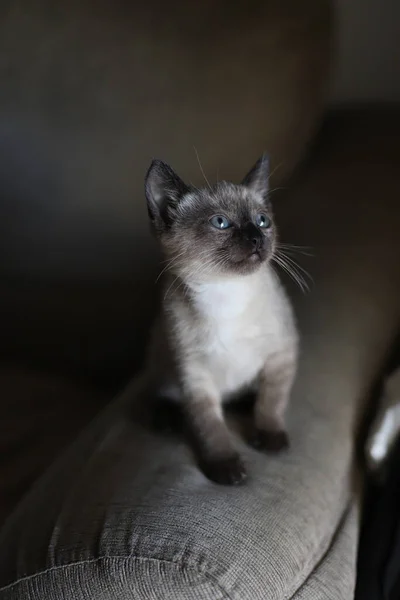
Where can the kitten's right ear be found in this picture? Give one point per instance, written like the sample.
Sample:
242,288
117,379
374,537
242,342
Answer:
257,179
164,189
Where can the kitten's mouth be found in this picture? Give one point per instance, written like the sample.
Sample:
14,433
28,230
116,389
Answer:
255,257
252,259
258,256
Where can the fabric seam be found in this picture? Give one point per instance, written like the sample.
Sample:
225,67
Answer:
133,558
180,565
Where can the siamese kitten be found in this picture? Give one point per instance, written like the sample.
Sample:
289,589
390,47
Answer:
226,326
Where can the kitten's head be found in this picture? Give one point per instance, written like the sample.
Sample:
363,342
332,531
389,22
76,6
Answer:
212,232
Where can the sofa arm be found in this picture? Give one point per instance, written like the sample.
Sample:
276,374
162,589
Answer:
127,514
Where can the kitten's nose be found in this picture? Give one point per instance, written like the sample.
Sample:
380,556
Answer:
254,236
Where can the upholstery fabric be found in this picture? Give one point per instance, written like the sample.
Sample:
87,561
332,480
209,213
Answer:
331,579
127,514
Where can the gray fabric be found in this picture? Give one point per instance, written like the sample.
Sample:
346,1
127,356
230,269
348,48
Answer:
127,514
150,579
333,577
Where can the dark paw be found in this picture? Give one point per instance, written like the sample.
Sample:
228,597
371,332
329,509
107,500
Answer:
270,441
225,471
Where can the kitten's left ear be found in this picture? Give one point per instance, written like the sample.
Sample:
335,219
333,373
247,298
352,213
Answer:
257,179
164,188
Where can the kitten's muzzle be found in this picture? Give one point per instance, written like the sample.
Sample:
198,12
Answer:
254,236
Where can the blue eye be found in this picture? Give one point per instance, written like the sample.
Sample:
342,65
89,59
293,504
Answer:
263,221
220,222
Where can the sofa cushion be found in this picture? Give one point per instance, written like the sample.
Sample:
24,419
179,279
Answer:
127,514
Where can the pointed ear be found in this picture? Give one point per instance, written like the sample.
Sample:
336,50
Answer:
163,189
258,178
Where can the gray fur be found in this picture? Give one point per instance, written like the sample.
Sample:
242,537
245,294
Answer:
226,325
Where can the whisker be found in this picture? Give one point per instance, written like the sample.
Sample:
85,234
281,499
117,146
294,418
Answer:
276,168
304,250
298,274
205,268
295,246
201,168
170,264
296,252
296,265
291,272
168,290
193,186
277,189
175,257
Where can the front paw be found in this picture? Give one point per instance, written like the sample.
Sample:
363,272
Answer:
225,471
270,441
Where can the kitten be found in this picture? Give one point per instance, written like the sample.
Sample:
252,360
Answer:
226,325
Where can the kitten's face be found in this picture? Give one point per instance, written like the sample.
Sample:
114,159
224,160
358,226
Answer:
214,232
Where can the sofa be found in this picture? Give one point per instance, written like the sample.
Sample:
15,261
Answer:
97,504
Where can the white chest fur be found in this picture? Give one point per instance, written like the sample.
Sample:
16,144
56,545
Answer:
242,323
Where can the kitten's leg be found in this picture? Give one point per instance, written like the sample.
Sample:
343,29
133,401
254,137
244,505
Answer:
275,385
217,455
